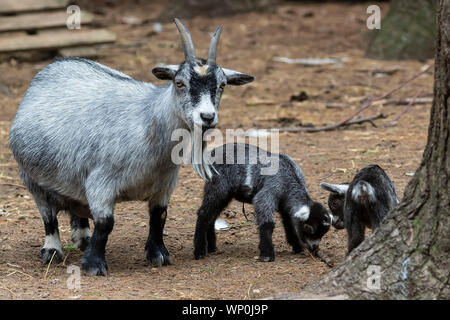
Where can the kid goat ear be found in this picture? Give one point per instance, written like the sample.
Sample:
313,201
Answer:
335,188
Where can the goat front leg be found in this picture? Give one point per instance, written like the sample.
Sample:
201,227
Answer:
204,233
291,233
155,250
211,237
101,207
214,201
264,210
94,261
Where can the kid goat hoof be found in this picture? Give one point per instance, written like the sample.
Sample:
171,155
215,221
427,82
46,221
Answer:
266,259
199,256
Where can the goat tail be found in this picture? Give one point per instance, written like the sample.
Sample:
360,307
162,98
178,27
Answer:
363,191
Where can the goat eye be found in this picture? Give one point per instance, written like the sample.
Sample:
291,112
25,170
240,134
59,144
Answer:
180,84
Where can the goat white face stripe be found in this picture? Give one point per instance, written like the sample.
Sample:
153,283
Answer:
201,70
204,106
302,213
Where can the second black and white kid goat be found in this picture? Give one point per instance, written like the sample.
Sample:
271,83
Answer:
362,203
305,221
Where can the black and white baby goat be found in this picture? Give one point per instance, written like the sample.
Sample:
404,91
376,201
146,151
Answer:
362,203
305,221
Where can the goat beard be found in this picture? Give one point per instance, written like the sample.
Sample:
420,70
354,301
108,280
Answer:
199,155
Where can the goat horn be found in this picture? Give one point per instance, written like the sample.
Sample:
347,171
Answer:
188,46
213,46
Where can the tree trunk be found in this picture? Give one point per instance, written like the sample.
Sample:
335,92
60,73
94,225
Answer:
407,32
411,247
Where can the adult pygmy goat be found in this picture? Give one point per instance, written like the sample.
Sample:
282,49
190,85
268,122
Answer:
362,203
305,221
87,136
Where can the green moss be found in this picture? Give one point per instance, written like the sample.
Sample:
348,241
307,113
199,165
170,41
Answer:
408,31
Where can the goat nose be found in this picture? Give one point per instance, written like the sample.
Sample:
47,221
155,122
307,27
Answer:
208,117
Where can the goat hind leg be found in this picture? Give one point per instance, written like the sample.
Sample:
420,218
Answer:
47,206
79,227
52,249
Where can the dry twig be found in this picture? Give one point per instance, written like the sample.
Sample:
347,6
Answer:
9,290
406,108
12,185
365,106
48,267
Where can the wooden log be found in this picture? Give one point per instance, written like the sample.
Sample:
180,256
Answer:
40,20
56,39
15,6
84,52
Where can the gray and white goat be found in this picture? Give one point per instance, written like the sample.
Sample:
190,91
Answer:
362,203
305,221
86,136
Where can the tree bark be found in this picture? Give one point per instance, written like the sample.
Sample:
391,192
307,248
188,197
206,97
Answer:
412,245
408,31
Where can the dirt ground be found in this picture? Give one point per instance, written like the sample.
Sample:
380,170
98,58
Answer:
249,43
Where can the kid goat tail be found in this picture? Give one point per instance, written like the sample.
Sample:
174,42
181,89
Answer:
362,192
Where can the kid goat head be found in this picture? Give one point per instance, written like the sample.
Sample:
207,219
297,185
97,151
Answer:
199,83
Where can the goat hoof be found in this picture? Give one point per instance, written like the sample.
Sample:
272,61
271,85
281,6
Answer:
95,266
47,254
199,256
266,258
158,256
211,250
199,253
297,249
157,261
83,243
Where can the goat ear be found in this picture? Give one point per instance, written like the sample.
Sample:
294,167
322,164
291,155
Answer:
236,78
335,188
167,72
